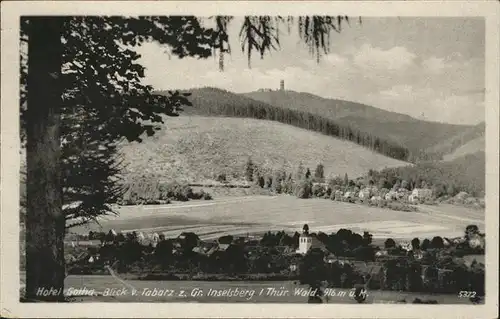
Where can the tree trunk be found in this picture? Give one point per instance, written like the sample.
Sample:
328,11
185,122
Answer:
45,223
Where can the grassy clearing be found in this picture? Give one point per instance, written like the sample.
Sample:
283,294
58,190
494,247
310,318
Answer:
197,149
259,214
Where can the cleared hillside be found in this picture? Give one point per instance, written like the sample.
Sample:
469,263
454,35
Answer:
414,134
217,102
197,149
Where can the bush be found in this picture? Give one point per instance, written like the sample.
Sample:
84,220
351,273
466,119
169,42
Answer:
304,189
318,190
221,178
332,195
207,196
148,192
389,243
401,207
268,181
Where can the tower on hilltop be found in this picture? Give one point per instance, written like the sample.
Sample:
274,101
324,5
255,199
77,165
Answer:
282,85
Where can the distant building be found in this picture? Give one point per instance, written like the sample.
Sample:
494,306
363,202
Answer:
308,242
405,245
413,199
422,193
365,193
391,196
376,199
282,85
418,254
349,195
305,243
477,242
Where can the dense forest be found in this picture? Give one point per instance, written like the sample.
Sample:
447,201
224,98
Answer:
216,102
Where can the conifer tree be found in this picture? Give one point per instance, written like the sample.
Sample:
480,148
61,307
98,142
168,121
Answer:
319,173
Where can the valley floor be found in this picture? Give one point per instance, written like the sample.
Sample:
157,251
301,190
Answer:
258,214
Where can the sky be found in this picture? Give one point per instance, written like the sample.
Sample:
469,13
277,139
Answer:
428,68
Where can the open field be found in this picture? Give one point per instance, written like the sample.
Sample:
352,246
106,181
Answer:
198,291
197,149
258,214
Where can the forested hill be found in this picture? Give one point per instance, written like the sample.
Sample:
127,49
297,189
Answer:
414,134
217,102
467,142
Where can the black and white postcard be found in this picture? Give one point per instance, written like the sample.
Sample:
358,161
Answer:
247,159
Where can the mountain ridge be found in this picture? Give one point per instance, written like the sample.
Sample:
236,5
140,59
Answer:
260,95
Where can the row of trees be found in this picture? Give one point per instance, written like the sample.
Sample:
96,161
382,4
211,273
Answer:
149,191
211,101
424,175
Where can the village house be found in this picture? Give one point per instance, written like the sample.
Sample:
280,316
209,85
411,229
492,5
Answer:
391,195
338,195
458,240
405,245
376,199
447,242
381,253
349,195
417,254
365,193
83,243
422,193
412,199
477,241
330,258
217,249
203,248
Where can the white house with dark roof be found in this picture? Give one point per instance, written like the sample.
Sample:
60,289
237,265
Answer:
422,193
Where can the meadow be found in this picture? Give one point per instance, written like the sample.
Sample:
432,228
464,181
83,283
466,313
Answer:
259,214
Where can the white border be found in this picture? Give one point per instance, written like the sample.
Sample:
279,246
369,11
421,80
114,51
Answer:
10,160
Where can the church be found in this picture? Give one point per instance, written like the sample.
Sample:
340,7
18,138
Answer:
308,242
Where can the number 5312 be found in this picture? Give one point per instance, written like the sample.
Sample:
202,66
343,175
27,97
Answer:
466,294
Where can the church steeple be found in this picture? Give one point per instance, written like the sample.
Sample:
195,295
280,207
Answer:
305,229
305,241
